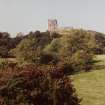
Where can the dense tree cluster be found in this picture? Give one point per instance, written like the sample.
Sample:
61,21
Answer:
7,43
76,48
30,48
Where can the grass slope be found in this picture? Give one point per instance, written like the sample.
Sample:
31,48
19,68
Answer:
91,85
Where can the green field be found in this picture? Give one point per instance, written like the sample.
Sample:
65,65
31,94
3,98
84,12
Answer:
90,86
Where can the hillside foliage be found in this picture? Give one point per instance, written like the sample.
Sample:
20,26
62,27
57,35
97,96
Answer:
43,61
75,49
33,86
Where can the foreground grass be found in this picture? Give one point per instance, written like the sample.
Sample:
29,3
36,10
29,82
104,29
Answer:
91,85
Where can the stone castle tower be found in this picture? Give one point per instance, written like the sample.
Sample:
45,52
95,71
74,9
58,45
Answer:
52,25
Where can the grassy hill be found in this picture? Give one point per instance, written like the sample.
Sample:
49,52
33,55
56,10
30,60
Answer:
91,85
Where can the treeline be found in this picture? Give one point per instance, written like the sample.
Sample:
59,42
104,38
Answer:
76,49
97,40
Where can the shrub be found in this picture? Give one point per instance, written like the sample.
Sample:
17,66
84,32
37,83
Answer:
35,87
82,60
49,58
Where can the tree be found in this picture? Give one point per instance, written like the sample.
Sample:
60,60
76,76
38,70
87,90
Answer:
30,48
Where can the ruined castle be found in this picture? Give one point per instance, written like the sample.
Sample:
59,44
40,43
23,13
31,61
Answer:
53,26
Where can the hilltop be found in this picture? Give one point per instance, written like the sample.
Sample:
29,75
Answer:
7,43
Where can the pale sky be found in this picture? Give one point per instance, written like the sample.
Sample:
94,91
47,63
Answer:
30,15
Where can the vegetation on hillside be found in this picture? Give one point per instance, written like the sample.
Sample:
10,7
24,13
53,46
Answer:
38,72
33,86
75,49
7,43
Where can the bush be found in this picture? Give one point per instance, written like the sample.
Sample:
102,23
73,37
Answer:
82,60
35,87
48,59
